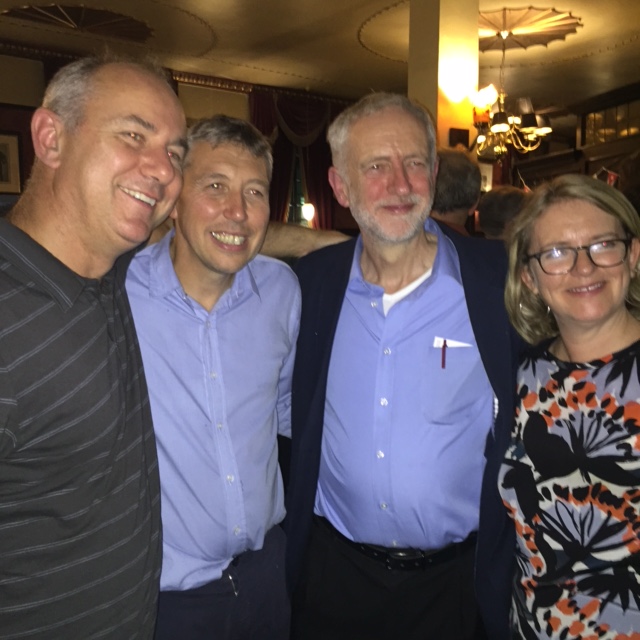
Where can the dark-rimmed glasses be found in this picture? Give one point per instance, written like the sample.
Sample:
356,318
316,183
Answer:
560,260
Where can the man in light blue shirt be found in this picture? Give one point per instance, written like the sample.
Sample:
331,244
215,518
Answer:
217,326
387,423
402,383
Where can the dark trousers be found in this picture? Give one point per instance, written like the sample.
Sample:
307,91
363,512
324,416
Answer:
249,601
345,595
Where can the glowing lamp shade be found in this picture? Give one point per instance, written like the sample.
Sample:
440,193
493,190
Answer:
543,127
500,122
528,123
308,211
484,98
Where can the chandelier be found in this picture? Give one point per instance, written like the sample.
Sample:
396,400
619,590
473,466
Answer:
504,29
498,129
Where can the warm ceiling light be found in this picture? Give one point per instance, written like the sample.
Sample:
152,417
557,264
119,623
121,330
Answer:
543,127
528,123
499,123
484,98
506,29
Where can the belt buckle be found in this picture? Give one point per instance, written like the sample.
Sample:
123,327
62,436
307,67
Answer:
407,555
404,559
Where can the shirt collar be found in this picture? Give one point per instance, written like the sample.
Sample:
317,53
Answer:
163,280
49,273
445,264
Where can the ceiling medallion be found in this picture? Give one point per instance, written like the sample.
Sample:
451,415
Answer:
99,22
523,28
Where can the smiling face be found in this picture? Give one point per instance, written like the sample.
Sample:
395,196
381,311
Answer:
386,180
221,216
588,296
119,170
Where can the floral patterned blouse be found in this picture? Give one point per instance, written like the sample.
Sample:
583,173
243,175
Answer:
571,483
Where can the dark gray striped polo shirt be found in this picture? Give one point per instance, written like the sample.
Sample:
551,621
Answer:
79,491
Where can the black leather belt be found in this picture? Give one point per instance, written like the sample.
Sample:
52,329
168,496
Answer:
403,559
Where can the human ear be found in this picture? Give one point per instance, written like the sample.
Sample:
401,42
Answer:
339,186
529,281
634,254
46,133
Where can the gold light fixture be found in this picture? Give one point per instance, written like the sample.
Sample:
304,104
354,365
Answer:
498,129
509,29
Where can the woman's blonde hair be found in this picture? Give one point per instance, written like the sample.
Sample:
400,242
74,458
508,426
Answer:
527,311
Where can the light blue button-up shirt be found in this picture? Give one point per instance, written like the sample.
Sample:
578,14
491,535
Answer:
406,416
220,390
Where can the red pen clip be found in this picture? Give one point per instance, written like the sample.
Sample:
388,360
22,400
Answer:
444,354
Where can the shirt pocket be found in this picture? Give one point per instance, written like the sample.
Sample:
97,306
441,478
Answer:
451,386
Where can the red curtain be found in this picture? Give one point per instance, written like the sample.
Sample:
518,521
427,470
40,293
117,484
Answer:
263,116
291,122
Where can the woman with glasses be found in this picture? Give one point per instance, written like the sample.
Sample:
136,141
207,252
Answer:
571,476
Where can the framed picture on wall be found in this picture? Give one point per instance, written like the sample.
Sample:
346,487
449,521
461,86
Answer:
486,173
9,163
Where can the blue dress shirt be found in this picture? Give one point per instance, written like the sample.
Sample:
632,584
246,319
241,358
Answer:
406,415
220,389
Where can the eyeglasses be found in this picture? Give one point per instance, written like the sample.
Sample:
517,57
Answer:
560,260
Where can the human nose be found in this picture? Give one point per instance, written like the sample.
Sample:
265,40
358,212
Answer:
583,262
159,165
400,180
235,207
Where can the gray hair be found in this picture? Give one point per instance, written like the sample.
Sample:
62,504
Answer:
458,183
498,207
371,104
221,129
71,87
528,312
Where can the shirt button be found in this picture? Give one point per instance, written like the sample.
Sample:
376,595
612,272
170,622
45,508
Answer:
230,478
387,352
394,543
383,506
384,402
213,375
374,303
380,454
236,531
219,425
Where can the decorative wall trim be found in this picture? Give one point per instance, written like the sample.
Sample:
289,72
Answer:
10,48
211,82
62,57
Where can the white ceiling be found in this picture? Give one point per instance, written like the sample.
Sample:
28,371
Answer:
341,47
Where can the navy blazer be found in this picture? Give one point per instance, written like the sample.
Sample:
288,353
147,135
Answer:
323,277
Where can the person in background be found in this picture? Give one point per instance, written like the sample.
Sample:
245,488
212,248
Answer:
497,208
457,189
79,491
629,179
402,397
570,476
217,326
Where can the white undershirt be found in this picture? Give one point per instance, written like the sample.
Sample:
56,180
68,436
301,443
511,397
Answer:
389,299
